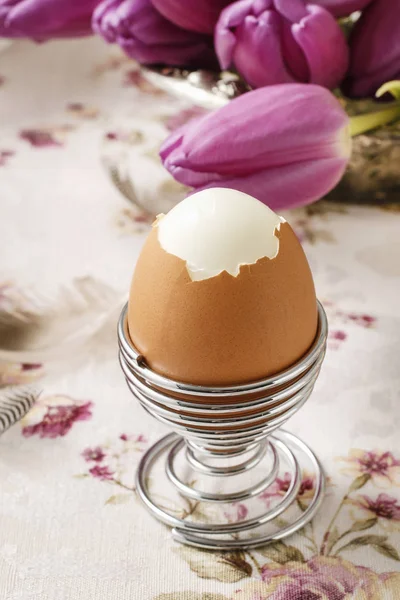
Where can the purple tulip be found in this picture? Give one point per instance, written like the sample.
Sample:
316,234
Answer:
374,49
45,19
287,145
274,41
342,8
200,16
148,37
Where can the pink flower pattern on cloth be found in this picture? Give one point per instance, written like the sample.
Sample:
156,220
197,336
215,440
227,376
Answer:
54,416
384,506
321,579
382,467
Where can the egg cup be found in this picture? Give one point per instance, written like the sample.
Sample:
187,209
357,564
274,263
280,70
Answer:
227,438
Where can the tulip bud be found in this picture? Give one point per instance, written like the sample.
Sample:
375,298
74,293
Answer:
45,19
270,41
374,49
342,8
144,34
287,145
200,16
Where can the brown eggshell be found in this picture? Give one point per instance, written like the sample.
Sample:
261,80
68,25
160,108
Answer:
223,330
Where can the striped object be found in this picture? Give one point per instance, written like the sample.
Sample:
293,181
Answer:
14,404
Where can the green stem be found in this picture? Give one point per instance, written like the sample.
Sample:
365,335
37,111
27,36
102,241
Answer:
341,536
255,561
312,538
192,508
122,485
363,123
328,531
312,542
313,547
338,551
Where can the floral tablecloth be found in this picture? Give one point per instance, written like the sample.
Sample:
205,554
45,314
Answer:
80,182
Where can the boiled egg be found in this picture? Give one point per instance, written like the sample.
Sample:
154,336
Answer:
222,292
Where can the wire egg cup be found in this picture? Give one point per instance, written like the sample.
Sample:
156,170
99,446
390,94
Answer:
228,434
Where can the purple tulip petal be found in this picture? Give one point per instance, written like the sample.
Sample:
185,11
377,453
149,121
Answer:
275,41
259,56
342,8
293,55
288,186
304,115
292,11
148,37
45,19
375,49
34,13
268,141
200,17
324,46
224,47
225,40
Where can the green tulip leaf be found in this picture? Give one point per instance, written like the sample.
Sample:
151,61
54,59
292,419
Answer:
359,482
362,525
377,542
280,553
228,567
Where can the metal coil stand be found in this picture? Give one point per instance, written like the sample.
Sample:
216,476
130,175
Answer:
227,449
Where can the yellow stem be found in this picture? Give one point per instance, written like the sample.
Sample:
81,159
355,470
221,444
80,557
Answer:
362,123
392,87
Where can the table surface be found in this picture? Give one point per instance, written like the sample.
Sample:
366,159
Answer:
80,181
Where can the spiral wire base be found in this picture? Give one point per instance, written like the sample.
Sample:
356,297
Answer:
227,439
